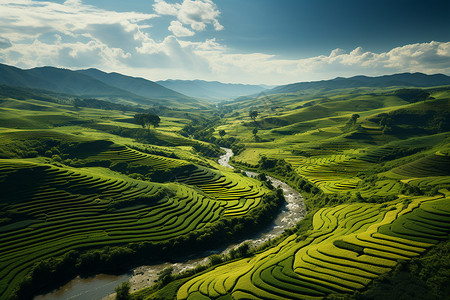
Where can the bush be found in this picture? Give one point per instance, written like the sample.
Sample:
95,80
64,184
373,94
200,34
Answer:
215,259
165,276
123,291
56,158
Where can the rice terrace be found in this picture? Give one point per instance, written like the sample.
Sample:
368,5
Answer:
209,149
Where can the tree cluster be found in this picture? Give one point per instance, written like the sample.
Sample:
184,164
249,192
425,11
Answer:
102,104
147,120
412,95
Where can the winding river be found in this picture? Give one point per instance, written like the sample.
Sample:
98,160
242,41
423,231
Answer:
102,286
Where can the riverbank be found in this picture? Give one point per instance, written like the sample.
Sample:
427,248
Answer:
290,214
144,276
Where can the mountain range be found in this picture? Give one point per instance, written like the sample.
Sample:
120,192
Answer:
400,80
212,90
93,83
136,85
115,87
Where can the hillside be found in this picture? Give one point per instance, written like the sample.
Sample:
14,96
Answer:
80,183
87,190
80,84
338,254
138,86
211,90
57,80
372,164
399,80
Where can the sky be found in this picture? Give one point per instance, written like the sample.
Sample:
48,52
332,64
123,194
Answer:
234,41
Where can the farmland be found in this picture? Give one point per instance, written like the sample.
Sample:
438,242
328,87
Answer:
66,193
346,248
224,150
378,195
86,190
71,209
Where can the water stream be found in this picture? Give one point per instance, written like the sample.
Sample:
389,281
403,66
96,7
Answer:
102,286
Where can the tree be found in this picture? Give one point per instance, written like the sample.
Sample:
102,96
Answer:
253,114
354,118
76,104
255,131
165,276
215,259
243,249
351,123
222,133
147,120
123,291
385,123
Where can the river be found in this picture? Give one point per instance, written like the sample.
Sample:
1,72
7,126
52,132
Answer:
102,286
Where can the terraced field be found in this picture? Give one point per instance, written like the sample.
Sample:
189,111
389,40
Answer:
432,165
332,173
235,193
48,208
53,210
118,154
382,188
386,154
347,248
429,181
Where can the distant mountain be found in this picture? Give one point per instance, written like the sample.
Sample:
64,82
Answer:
79,83
57,80
211,90
403,79
138,86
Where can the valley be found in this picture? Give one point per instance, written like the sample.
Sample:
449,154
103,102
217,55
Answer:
144,276
88,189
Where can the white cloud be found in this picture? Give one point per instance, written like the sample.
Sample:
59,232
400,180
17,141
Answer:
71,34
179,30
4,43
433,57
76,35
163,8
195,13
72,2
28,19
420,57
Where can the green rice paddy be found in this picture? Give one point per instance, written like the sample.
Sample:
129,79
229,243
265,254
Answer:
62,209
347,248
351,244
86,178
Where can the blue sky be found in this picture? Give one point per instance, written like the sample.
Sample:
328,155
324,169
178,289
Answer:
241,41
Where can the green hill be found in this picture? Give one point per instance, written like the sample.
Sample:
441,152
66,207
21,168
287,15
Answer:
372,164
346,248
95,84
211,90
403,79
85,189
138,86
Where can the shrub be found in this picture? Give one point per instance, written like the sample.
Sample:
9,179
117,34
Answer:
215,259
123,291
